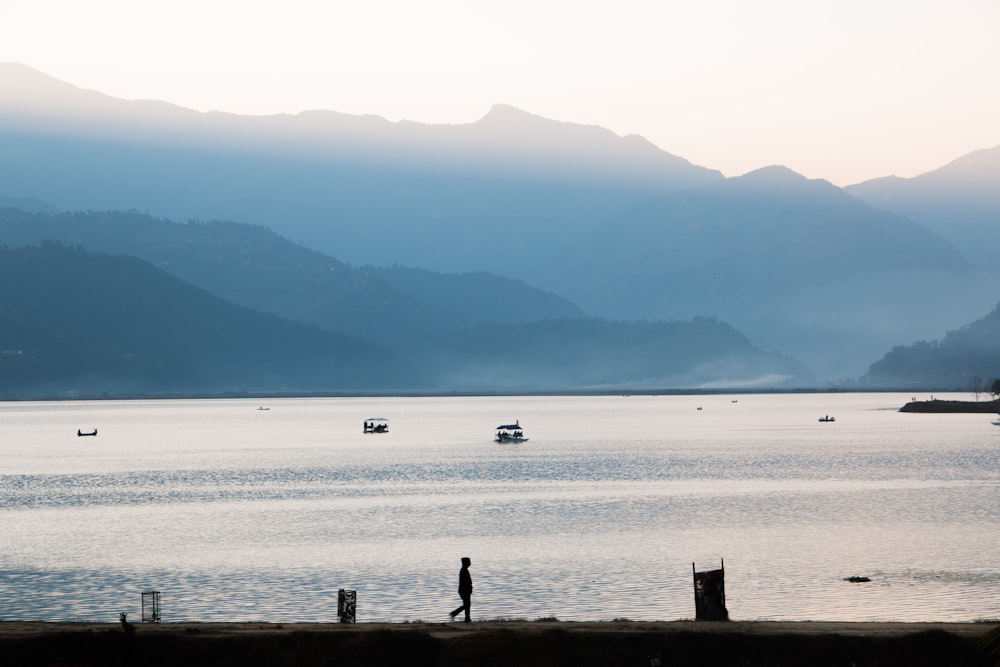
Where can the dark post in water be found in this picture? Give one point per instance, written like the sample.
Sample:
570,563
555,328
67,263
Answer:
346,605
710,594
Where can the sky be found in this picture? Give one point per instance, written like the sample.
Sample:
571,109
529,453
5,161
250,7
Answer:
843,90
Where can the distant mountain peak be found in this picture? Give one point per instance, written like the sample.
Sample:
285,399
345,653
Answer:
510,121
505,129
781,180
977,170
506,112
21,72
772,174
778,180
507,137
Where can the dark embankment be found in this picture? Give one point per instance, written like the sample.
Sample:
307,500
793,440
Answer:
517,644
935,405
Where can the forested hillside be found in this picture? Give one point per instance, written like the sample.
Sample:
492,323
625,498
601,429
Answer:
252,266
81,323
471,331
954,362
613,224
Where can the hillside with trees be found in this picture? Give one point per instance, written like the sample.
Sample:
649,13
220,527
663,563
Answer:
252,266
619,227
80,323
967,358
470,331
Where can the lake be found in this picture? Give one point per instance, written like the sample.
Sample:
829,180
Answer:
240,514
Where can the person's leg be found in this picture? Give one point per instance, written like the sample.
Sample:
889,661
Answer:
467,603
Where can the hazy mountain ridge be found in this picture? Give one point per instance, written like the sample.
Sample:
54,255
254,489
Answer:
76,322
473,298
252,266
358,187
796,264
973,351
772,222
27,204
455,331
504,135
596,353
614,224
960,200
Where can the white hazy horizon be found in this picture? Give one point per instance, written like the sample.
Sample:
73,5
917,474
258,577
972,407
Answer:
845,91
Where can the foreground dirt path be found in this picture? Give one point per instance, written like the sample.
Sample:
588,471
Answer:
445,630
500,644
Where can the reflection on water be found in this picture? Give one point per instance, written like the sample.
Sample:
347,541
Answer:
236,514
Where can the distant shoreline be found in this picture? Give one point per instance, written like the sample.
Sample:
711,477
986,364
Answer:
936,406
446,394
502,643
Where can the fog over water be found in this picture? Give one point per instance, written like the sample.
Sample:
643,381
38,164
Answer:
240,514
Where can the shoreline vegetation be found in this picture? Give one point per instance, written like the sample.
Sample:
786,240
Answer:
938,406
502,643
396,393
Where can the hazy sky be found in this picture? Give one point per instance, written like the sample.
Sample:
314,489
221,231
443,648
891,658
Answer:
843,90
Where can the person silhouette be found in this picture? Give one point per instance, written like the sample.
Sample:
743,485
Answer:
464,590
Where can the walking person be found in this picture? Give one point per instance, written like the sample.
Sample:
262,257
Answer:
464,590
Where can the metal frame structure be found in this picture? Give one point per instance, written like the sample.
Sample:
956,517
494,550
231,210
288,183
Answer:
151,607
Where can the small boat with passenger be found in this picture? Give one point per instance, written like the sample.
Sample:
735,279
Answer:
510,433
376,425
827,418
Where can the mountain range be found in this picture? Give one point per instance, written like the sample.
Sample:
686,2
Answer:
957,361
607,226
471,332
77,323
960,201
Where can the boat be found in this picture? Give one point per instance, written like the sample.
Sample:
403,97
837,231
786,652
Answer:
262,408
510,433
90,432
827,418
376,425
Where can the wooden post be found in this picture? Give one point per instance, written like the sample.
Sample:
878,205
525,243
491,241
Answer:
710,594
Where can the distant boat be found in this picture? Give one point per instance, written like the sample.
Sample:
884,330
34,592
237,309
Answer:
376,425
510,433
82,433
263,408
827,418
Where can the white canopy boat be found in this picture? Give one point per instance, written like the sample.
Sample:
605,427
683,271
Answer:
376,425
510,433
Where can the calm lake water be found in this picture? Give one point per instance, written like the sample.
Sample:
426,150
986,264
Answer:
240,514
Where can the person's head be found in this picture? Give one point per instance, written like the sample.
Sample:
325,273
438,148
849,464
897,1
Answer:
466,561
